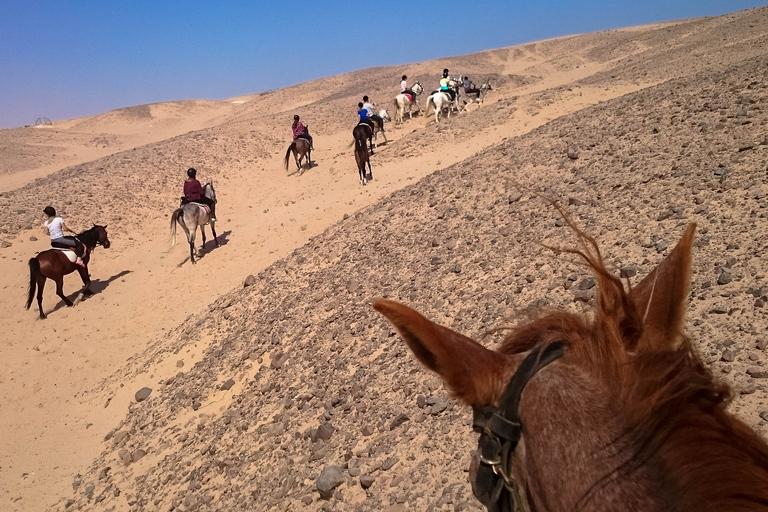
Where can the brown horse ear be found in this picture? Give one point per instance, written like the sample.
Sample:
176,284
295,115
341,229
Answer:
661,297
474,373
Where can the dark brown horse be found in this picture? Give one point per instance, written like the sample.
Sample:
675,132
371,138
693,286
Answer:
361,155
612,411
54,264
361,133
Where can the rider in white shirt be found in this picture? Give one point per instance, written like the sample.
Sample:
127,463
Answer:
404,89
55,227
368,105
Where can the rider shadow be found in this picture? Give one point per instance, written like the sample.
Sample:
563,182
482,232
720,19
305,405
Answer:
304,168
97,286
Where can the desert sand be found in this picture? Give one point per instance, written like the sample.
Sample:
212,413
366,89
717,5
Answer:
255,390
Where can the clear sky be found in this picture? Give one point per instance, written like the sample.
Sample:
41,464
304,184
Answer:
64,59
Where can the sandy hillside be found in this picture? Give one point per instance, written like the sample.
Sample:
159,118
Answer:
639,131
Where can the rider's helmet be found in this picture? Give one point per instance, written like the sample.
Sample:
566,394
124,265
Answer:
296,117
405,77
445,73
191,172
49,211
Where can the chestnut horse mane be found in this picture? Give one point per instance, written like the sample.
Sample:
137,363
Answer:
672,408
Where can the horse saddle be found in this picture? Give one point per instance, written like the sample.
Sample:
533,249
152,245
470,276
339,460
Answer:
69,253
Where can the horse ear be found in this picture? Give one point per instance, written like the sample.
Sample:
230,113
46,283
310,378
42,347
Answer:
661,297
474,373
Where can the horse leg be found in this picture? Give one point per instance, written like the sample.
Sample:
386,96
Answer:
41,279
215,236
60,291
86,281
202,232
191,240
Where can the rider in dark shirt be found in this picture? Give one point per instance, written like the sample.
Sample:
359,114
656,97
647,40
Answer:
194,193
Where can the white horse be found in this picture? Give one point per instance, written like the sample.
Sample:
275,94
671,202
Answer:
384,115
439,101
402,100
477,97
190,216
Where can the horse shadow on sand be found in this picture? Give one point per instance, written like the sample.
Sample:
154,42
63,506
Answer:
304,168
97,286
210,245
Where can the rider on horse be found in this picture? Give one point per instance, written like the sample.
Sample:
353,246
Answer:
446,87
193,193
375,118
404,89
469,87
301,131
55,227
364,118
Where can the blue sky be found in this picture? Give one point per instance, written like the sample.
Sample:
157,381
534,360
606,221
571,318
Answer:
63,59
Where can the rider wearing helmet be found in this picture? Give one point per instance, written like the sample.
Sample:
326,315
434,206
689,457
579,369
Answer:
300,130
193,193
445,85
55,227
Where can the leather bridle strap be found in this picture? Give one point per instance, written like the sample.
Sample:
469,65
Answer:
500,429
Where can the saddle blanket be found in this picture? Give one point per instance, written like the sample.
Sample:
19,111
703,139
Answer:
410,98
69,253
205,207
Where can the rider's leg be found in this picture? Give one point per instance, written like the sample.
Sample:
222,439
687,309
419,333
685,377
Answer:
211,204
69,242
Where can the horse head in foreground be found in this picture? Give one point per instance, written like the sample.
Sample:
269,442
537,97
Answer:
611,412
54,264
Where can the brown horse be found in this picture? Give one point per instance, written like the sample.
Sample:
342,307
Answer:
301,150
612,412
54,264
361,153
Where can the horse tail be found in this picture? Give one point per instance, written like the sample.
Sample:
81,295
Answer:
176,216
288,153
34,271
430,101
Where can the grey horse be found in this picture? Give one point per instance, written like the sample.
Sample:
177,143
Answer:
190,216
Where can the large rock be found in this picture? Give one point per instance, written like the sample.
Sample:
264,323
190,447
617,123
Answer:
330,478
143,394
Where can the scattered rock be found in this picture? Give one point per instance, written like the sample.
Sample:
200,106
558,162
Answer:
250,280
5,244
366,481
142,394
323,432
388,463
227,385
137,455
399,420
757,372
628,271
330,478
